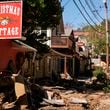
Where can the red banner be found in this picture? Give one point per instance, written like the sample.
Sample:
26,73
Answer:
10,19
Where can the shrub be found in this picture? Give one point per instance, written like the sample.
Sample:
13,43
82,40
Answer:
106,87
99,74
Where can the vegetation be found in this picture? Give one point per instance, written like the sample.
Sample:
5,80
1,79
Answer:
106,87
43,14
99,74
97,37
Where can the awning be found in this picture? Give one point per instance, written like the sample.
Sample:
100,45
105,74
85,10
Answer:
61,54
19,45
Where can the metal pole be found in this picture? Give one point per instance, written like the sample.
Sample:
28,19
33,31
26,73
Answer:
107,38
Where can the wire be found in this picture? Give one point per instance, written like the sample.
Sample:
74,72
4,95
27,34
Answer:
95,9
75,18
66,3
85,17
89,6
91,10
87,12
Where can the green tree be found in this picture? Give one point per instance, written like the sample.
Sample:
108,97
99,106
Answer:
40,13
97,37
43,14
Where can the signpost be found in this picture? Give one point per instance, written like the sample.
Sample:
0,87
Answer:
10,19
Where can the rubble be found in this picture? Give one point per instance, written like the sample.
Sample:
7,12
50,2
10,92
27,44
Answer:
60,97
78,101
76,97
55,102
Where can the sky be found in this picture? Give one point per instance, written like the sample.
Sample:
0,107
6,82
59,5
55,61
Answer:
79,13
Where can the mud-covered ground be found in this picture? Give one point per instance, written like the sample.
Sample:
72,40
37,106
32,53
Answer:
83,98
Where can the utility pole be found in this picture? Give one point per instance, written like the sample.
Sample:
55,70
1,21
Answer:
107,36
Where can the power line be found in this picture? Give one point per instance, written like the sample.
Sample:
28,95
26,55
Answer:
89,6
91,10
95,9
87,12
75,17
66,3
85,17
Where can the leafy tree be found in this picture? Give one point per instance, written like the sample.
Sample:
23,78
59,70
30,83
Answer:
96,38
100,45
40,13
43,14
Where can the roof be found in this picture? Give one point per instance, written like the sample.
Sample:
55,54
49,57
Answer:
22,46
61,54
81,33
67,32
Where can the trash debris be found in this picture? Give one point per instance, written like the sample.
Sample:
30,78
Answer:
78,101
8,105
56,102
69,92
65,76
56,96
37,94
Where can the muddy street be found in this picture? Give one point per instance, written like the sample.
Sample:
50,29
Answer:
80,98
